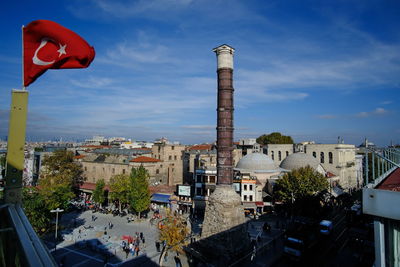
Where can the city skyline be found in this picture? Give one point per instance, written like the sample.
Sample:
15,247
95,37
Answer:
309,70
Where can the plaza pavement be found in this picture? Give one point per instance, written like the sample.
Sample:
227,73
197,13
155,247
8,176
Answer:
72,252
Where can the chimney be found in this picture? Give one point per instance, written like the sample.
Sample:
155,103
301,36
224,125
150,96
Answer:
225,114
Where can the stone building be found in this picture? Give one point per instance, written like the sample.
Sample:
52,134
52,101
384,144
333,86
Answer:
278,152
171,156
337,159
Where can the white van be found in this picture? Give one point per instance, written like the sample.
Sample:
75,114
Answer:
325,227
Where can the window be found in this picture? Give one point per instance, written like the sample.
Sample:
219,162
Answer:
174,157
250,198
279,156
198,191
169,157
272,155
305,149
172,147
199,178
157,171
245,198
212,179
287,153
123,171
85,168
251,187
245,187
330,155
314,154
322,157
113,170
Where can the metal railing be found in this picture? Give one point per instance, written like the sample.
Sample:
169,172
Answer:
379,163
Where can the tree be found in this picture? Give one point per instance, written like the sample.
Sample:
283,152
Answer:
174,232
35,209
274,138
300,183
98,193
120,189
140,193
61,166
59,177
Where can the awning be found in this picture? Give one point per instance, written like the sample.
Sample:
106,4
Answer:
162,198
259,204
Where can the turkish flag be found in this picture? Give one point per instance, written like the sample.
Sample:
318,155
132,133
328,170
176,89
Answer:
48,45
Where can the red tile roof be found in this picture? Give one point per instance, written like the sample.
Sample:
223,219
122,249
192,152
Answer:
392,182
201,147
92,186
143,159
330,175
164,189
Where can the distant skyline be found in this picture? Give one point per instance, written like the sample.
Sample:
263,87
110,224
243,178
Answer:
314,70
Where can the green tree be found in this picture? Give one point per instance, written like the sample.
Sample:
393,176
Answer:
36,210
299,183
120,189
139,199
274,138
59,177
98,193
61,165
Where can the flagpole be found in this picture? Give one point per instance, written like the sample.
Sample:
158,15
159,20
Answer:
23,87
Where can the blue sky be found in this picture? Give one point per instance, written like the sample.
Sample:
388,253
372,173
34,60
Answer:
314,70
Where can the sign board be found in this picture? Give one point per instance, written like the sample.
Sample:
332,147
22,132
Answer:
184,190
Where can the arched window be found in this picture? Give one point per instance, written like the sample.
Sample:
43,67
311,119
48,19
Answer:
314,154
305,149
287,153
322,157
272,155
330,157
279,156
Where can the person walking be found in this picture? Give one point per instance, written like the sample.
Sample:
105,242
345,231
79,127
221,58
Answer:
177,261
141,235
143,241
158,246
137,251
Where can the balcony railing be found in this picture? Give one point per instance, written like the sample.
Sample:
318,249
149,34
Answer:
379,163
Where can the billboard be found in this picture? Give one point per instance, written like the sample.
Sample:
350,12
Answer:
184,190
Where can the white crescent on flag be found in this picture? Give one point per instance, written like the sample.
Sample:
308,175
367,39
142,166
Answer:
40,62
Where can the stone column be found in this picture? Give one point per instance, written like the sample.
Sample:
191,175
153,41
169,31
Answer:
225,114
224,234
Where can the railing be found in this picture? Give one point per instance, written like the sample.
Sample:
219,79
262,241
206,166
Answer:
379,163
19,244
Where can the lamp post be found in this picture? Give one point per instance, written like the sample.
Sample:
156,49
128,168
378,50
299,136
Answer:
56,211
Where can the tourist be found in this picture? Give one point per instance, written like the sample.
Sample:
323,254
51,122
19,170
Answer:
158,246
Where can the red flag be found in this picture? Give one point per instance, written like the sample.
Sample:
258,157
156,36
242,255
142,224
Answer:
48,45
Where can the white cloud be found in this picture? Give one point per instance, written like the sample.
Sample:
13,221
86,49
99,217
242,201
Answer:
376,112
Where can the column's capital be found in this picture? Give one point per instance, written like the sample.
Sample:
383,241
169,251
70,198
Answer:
224,56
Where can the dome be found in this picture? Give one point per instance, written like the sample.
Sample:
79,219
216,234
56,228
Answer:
256,162
298,160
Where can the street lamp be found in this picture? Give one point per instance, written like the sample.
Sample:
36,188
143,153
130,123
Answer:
56,211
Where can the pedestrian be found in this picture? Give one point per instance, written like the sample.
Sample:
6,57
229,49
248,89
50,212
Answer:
131,248
92,218
126,252
141,235
166,256
137,251
177,261
143,241
158,246
109,225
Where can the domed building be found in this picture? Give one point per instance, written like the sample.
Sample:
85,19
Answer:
251,176
300,160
